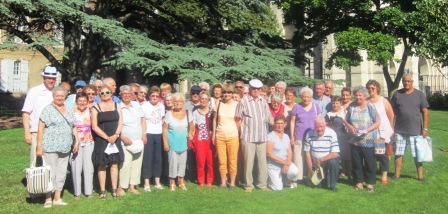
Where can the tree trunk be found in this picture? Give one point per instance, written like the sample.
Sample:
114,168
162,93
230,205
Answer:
392,85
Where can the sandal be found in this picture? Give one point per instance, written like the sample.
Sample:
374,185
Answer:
48,204
103,195
183,187
114,193
172,187
384,182
359,187
370,190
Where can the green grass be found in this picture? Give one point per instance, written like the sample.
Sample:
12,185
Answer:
406,195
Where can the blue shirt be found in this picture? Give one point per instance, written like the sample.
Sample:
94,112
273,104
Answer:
324,104
115,98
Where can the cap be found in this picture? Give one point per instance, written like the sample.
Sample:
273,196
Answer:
195,88
80,83
255,83
50,71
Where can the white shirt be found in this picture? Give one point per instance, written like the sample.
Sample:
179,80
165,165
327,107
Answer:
154,117
36,99
132,118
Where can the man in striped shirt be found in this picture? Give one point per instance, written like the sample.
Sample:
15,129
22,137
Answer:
322,149
253,117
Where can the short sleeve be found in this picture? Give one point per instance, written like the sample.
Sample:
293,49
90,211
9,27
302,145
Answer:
423,101
162,110
239,110
46,115
374,113
294,110
334,142
140,111
307,146
190,116
168,118
28,105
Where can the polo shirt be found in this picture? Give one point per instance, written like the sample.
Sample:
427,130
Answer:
36,99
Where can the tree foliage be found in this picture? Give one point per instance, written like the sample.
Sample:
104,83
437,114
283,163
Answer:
195,39
376,26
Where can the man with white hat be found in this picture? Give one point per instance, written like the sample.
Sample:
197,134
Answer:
253,117
322,150
36,99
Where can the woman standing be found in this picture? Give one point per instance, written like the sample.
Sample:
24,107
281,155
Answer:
276,107
362,120
346,95
133,132
91,93
168,102
152,159
107,123
335,120
217,94
177,129
81,162
202,119
302,120
386,114
225,137
290,102
54,139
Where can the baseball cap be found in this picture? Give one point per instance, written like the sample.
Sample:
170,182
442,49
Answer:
80,83
195,88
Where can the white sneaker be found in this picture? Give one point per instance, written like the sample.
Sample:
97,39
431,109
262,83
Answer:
147,189
59,202
159,186
293,185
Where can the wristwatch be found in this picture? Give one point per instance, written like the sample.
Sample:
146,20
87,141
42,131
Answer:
426,129
118,135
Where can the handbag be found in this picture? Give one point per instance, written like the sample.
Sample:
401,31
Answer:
380,146
136,146
38,179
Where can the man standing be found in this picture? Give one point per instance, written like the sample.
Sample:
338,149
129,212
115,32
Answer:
97,84
109,81
134,88
191,105
329,87
240,85
410,106
322,149
36,99
70,101
253,117
320,99
204,86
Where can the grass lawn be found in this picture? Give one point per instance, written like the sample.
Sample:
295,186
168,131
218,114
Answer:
407,195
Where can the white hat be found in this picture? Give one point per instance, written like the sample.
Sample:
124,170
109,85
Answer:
255,83
293,171
50,71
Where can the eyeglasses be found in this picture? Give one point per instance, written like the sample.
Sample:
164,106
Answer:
142,92
135,92
239,86
90,93
154,95
204,89
105,92
256,89
177,101
227,92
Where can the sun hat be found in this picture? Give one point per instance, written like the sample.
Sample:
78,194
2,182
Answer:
50,71
255,83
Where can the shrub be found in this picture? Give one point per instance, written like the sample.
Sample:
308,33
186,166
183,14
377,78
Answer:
438,101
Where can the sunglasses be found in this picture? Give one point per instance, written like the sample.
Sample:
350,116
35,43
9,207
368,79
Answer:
194,92
256,89
135,92
227,92
105,92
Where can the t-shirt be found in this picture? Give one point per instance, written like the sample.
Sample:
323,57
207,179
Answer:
321,146
132,120
280,149
202,124
177,131
154,115
304,119
58,133
407,109
226,126
324,104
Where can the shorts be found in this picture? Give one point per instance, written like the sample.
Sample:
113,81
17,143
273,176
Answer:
400,144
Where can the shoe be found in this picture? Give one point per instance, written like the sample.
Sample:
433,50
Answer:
147,189
76,198
209,186
370,190
183,187
359,187
88,196
172,187
293,185
232,188
385,182
201,186
222,187
158,186
266,189
121,192
395,178
114,193
103,195
134,191
248,190
423,180
334,189
59,202
48,204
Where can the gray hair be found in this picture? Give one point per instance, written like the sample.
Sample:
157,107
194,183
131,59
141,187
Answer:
125,88
99,81
143,87
60,88
166,96
361,89
107,80
329,81
319,83
277,96
206,93
205,84
407,75
305,90
319,118
178,96
280,84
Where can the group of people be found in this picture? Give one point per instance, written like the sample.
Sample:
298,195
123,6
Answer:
147,133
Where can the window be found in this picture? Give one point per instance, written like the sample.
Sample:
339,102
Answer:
14,76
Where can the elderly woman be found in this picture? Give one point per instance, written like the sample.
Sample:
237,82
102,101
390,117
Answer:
91,93
290,97
203,121
276,107
54,141
168,102
384,109
142,92
279,153
237,95
216,96
133,132
362,121
302,120
346,95
81,162
165,89
225,137
335,120
177,130
152,159
107,122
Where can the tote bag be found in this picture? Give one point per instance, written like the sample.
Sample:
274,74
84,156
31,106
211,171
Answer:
38,179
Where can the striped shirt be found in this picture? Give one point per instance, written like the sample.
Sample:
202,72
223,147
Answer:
321,146
255,116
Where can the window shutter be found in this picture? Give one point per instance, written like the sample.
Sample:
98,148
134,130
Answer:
24,76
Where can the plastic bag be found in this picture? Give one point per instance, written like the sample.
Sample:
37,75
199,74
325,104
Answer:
424,149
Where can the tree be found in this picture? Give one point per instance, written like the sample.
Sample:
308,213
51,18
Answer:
195,39
375,26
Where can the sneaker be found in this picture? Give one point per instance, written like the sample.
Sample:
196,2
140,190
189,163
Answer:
293,185
158,186
266,189
147,189
59,202
134,191
48,204
121,192
248,190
